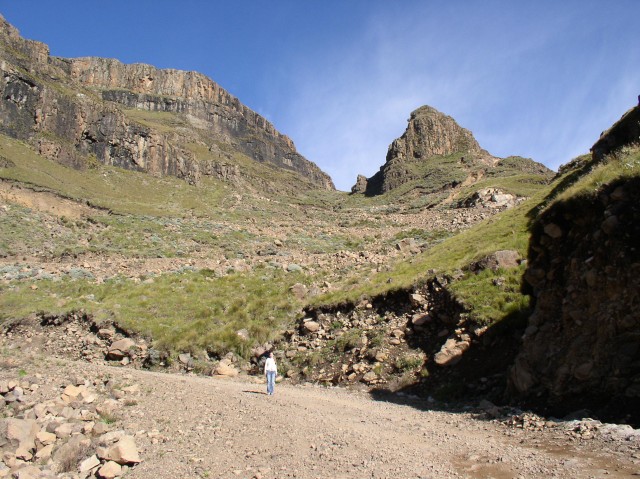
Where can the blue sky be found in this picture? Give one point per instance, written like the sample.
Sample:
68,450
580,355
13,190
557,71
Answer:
538,79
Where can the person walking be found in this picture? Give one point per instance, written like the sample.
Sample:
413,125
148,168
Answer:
271,371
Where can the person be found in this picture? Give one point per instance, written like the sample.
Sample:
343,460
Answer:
271,371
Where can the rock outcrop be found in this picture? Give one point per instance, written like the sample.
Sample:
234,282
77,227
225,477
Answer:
164,122
438,154
581,346
624,132
429,134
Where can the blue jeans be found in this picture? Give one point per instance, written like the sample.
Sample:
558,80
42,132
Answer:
271,381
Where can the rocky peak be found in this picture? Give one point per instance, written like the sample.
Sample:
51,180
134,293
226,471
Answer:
431,133
430,137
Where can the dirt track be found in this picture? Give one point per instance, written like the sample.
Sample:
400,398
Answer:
228,428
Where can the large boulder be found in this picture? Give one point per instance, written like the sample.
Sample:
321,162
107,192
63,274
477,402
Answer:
451,352
121,349
20,433
225,368
124,452
504,259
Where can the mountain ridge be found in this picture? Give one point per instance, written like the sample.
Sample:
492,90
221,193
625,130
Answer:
74,108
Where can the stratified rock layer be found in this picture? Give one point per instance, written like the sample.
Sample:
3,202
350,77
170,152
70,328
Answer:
76,109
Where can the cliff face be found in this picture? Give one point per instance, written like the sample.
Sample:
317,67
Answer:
582,345
73,108
624,132
581,348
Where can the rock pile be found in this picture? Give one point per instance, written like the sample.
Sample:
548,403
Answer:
75,335
347,348
491,198
63,431
385,342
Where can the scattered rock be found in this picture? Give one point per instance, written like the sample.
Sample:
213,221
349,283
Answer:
451,352
120,349
110,470
124,451
224,368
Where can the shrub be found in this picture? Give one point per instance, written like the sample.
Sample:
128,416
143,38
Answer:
408,362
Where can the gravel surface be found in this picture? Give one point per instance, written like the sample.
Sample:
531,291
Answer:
190,426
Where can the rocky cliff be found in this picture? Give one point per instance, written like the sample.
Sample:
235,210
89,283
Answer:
581,348
436,153
165,122
625,131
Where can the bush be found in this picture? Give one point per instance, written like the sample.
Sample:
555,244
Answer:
408,362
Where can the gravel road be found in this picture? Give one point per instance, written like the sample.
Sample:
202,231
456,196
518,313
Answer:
192,426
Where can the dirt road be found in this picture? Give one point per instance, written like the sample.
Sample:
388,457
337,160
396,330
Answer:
228,428
189,426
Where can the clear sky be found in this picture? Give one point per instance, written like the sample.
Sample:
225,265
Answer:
539,78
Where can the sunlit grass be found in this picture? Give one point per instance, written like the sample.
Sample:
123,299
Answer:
192,311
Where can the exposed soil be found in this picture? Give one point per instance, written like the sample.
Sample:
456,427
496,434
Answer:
189,426
44,201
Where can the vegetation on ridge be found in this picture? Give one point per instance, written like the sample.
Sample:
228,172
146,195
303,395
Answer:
189,308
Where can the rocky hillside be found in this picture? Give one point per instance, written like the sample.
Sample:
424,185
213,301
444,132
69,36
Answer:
625,131
164,122
580,348
412,284
436,154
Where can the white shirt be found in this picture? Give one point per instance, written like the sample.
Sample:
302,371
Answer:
270,365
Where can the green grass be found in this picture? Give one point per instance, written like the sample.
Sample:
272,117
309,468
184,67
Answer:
140,194
408,362
624,163
508,230
191,311
485,301
490,296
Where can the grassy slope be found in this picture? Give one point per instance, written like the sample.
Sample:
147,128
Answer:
152,217
486,301
198,310
210,309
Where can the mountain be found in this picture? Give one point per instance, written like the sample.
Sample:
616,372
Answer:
137,117
434,154
453,274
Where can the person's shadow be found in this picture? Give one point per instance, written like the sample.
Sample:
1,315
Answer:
255,392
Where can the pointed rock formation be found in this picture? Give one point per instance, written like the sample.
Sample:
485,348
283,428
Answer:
429,135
